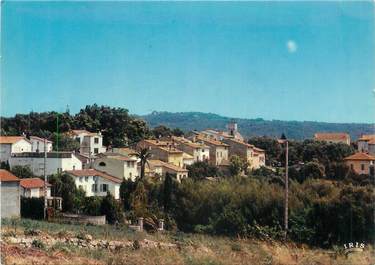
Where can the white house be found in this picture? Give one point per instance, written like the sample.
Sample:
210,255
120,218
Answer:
96,183
38,144
34,187
56,162
13,144
117,165
90,143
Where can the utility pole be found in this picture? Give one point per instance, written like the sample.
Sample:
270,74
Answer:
45,178
286,190
284,140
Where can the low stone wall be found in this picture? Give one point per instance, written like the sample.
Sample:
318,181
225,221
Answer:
83,219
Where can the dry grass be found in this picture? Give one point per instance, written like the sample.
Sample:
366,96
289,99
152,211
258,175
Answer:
192,249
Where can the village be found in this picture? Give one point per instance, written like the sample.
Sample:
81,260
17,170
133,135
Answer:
98,170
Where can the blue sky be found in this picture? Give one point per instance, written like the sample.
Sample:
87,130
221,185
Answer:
287,61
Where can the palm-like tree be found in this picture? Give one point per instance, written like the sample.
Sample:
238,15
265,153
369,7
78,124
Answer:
144,155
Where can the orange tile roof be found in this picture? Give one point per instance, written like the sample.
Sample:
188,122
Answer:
211,141
40,139
5,175
331,136
187,142
11,139
93,172
360,157
160,163
240,142
33,183
367,137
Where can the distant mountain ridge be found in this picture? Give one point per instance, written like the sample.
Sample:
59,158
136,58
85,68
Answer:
297,130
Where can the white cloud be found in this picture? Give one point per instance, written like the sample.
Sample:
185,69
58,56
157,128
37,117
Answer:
292,46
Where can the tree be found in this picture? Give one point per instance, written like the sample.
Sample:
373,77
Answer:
312,170
127,187
202,170
64,186
237,165
62,142
22,172
92,205
111,209
144,155
168,193
161,131
138,200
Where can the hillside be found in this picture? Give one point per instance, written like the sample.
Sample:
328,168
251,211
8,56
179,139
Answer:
254,127
51,243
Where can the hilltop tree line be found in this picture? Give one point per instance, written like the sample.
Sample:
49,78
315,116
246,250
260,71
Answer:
118,127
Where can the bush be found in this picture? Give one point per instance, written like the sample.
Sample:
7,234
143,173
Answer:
111,209
38,244
32,208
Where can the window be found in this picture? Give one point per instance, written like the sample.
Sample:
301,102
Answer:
96,140
80,179
128,163
351,166
104,188
102,164
74,167
130,175
362,166
86,178
94,188
96,150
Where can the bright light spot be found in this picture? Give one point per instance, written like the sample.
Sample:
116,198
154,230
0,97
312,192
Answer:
291,45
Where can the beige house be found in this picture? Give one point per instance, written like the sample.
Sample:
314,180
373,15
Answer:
117,165
198,150
333,137
254,156
161,168
164,151
10,205
361,163
366,144
219,151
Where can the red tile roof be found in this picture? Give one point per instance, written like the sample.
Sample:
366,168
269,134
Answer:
5,175
332,136
93,172
360,157
11,139
33,183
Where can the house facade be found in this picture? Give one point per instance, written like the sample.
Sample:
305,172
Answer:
253,155
38,144
117,165
164,151
198,150
361,163
56,162
336,138
366,144
161,168
90,143
96,183
34,188
10,195
13,144
218,150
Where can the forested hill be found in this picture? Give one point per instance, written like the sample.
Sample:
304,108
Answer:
254,127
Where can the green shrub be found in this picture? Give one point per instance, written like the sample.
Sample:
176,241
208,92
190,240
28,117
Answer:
38,244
